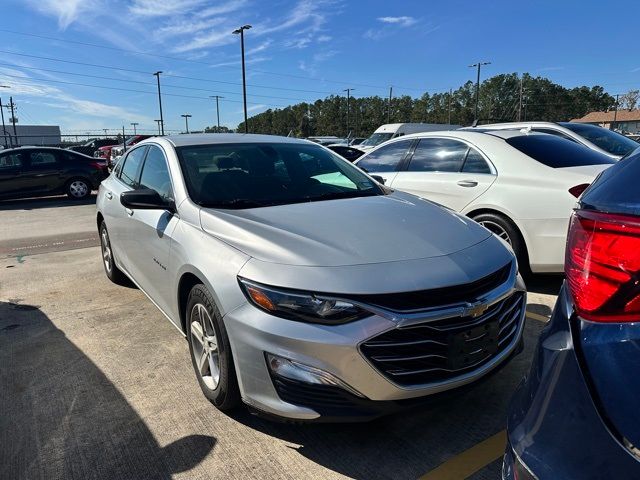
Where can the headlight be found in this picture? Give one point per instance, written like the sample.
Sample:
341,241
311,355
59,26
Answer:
301,306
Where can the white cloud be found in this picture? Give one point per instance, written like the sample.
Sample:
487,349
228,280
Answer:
324,38
227,7
66,11
160,8
403,21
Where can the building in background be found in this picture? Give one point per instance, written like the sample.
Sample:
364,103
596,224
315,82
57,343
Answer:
30,135
626,121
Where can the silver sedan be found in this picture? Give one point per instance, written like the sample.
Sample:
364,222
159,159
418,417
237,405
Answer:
305,288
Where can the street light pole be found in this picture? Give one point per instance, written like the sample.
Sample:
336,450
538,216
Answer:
389,106
186,120
157,74
348,90
478,65
217,109
244,81
134,127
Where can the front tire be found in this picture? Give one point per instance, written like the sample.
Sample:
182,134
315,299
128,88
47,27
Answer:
78,188
210,350
113,272
504,228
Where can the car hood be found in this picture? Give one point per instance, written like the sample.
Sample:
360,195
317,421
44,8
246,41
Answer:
355,231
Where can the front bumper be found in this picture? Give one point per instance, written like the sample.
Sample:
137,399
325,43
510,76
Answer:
337,351
554,428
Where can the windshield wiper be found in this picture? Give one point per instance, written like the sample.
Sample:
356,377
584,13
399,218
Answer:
235,203
338,195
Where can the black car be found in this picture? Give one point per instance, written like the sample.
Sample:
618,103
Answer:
348,153
93,145
40,171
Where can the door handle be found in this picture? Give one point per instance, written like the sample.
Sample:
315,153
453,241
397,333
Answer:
468,183
109,195
129,212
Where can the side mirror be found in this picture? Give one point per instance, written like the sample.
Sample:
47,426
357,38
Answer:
378,179
146,199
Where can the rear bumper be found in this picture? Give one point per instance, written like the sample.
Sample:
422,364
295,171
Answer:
554,428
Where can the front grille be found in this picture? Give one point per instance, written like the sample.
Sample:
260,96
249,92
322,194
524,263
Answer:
435,297
444,349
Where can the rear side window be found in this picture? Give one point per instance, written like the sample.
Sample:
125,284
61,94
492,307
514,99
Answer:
438,155
10,160
42,159
556,152
131,167
386,158
475,163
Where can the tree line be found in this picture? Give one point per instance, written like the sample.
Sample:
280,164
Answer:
500,101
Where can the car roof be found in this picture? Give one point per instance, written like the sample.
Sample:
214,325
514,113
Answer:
513,125
221,138
470,135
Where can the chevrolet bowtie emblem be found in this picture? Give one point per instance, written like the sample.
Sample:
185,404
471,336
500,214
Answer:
475,310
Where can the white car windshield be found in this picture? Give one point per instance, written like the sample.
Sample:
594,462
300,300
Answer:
376,139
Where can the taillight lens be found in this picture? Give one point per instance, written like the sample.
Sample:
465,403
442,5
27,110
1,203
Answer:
603,266
578,189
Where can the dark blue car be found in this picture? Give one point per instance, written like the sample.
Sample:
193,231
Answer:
577,414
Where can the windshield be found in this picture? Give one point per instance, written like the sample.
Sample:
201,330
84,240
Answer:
607,140
377,139
556,152
258,175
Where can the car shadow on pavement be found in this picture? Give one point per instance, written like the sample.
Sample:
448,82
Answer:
45,202
547,284
60,416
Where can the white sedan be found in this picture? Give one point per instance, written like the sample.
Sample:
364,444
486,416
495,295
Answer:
521,186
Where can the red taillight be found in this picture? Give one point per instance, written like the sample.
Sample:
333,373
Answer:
603,266
578,189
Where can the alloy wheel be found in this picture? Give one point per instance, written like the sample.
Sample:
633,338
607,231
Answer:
78,189
205,346
496,229
107,257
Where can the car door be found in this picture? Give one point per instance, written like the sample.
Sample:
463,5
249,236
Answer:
150,232
125,177
386,160
44,171
11,173
447,171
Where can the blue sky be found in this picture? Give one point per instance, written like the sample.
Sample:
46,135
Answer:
297,50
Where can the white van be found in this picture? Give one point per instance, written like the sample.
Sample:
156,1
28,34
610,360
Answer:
393,130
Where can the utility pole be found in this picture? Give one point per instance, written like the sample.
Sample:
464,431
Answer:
449,105
12,106
105,131
520,100
217,109
134,127
157,74
4,130
389,106
478,65
348,90
158,122
186,120
615,114
244,81
124,141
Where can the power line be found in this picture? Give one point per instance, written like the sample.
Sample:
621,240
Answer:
145,83
112,67
201,62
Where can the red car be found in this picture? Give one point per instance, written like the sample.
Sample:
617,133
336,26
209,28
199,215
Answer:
105,152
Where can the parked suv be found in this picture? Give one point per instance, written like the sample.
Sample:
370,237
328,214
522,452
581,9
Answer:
91,146
39,171
305,288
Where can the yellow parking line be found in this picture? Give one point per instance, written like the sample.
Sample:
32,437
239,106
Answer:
537,316
470,461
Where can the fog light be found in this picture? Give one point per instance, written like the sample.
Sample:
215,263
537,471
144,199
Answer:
283,367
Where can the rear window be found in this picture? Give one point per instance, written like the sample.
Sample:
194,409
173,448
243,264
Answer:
556,152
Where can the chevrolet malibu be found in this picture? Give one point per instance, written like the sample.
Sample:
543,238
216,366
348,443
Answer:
306,289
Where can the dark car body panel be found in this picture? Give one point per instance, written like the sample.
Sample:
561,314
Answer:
576,414
27,179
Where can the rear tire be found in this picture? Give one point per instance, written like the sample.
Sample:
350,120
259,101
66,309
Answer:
210,350
113,272
504,228
78,188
